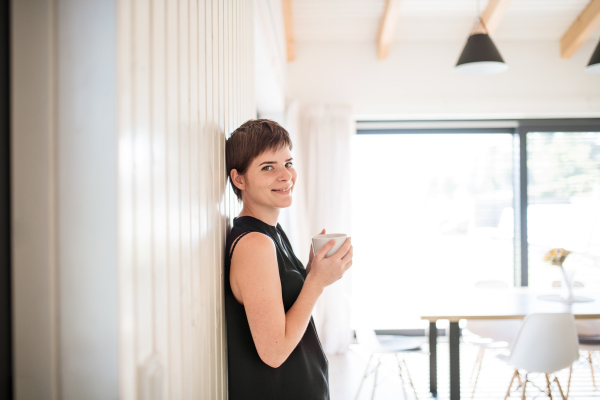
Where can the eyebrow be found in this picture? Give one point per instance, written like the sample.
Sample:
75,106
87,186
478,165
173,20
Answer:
274,162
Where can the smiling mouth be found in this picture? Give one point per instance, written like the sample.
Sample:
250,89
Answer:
283,191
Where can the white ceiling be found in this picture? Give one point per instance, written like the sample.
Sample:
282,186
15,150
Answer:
357,21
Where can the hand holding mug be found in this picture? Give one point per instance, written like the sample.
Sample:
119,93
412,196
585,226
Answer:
326,270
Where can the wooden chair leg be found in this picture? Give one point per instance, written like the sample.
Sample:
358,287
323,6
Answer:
401,374
524,387
569,383
479,356
510,385
410,379
560,389
477,376
364,377
375,381
549,388
592,368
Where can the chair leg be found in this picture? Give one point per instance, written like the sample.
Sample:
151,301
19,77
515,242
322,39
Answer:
591,367
524,387
477,376
375,381
510,385
364,377
479,356
569,383
549,388
410,379
560,389
401,375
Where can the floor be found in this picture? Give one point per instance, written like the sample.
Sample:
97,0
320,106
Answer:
346,372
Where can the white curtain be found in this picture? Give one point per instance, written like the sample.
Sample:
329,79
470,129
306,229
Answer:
321,135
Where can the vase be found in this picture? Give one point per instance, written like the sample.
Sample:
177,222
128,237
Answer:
567,284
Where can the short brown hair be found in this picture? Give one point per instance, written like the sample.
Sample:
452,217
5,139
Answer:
250,140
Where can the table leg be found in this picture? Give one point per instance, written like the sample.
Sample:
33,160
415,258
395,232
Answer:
454,340
433,358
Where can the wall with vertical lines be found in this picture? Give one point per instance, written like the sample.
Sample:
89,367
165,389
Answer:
186,80
64,199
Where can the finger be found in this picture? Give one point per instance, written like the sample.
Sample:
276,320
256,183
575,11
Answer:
344,249
348,265
322,232
349,254
325,249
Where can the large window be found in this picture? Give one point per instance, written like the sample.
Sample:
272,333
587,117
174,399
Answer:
435,209
564,204
429,211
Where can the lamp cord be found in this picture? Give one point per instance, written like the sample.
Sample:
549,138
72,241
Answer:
479,20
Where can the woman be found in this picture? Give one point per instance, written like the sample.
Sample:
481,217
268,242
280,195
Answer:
273,348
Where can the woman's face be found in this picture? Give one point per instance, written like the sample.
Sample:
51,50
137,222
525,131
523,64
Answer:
270,179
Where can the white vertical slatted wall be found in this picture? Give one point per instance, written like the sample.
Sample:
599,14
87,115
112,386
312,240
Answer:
186,80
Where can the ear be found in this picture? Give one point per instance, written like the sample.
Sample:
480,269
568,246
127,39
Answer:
237,179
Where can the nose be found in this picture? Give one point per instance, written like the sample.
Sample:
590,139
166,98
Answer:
285,175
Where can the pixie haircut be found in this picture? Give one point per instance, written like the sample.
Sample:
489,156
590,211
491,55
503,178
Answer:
250,140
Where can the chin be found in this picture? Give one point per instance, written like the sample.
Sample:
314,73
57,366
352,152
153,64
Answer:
285,203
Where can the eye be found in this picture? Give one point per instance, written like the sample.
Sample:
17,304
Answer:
289,165
267,166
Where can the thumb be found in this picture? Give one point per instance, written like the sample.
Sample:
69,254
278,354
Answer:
325,249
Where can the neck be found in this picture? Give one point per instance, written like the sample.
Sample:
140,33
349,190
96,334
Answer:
268,215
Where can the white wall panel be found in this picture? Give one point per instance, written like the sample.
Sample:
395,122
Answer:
186,80
120,111
33,218
64,184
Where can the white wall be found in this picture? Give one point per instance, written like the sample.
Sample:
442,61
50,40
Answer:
270,58
119,116
417,81
63,165
186,81
33,192
86,198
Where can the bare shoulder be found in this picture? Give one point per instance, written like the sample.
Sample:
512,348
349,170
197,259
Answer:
252,245
254,267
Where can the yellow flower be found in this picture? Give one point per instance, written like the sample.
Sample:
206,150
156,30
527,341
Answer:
556,256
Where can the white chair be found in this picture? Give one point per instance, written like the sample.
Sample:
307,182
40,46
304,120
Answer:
491,333
589,334
391,345
546,343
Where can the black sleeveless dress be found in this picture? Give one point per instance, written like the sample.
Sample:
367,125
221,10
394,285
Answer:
304,375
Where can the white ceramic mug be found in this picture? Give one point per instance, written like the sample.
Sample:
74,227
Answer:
319,241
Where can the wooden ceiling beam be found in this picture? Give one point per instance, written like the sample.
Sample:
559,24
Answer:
581,29
387,27
493,14
290,43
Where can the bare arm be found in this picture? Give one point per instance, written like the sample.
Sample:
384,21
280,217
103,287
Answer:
255,275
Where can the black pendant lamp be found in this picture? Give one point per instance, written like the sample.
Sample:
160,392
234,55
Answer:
593,66
480,56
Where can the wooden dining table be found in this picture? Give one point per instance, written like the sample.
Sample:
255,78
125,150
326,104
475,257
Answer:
486,303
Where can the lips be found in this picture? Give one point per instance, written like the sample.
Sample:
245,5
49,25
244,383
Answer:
282,190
